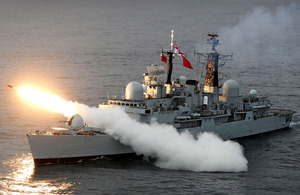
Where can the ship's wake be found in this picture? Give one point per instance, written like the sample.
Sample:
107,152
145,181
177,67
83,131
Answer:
171,149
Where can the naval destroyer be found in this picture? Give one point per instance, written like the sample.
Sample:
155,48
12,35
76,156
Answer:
182,103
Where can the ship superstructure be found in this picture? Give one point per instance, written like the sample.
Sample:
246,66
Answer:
182,103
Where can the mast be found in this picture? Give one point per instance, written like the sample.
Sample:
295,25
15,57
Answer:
211,78
170,61
214,61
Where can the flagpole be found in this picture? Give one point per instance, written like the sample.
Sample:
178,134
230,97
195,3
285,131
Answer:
170,63
172,40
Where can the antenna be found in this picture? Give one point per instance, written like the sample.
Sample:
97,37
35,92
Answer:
212,40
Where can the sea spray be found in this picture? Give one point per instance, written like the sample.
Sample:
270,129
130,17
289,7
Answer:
173,150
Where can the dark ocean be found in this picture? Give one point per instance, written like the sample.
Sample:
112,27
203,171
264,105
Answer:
83,50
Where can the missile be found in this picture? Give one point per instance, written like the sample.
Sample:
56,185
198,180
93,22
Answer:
12,87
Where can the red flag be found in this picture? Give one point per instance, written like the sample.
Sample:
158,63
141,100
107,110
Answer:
164,58
185,62
177,50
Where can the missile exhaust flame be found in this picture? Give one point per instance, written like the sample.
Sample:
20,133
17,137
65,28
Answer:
46,100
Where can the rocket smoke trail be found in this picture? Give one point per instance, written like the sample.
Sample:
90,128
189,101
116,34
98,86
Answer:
162,142
172,150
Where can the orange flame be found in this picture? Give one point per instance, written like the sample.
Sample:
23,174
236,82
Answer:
47,100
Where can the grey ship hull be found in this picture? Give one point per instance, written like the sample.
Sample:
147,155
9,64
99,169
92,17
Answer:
56,149
238,129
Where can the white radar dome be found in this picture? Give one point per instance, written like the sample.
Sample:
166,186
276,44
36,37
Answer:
75,122
134,91
253,93
182,80
231,88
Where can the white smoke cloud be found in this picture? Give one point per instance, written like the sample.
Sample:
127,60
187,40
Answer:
263,32
162,142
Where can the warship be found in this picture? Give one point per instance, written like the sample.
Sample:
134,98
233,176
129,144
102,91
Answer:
183,103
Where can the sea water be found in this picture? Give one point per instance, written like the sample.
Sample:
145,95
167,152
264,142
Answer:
83,50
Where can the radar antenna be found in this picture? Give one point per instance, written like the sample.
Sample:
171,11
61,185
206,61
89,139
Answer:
213,62
212,40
